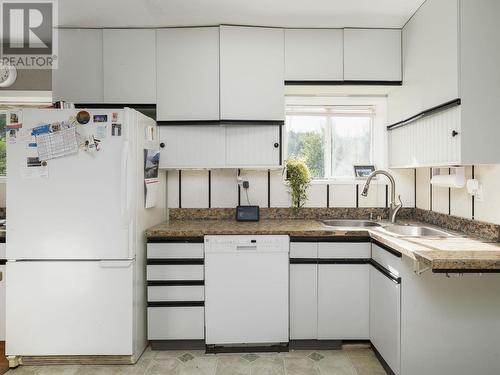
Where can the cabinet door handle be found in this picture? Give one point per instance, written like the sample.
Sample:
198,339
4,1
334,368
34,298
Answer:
162,145
454,133
276,145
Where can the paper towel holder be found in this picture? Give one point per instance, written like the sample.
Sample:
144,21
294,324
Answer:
455,178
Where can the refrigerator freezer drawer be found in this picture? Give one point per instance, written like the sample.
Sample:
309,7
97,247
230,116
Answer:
176,323
175,250
69,308
175,272
176,293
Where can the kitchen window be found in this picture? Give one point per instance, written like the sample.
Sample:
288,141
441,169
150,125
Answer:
330,139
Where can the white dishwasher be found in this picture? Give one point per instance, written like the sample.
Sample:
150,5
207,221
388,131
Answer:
246,290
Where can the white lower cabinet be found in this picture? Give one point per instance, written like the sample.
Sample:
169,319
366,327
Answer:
329,300
168,293
385,316
159,272
176,323
303,301
343,301
176,292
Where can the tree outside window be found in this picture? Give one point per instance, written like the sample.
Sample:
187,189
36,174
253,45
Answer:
330,139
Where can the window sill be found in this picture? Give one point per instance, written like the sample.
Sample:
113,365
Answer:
346,181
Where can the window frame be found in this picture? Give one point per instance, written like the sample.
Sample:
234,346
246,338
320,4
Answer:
332,111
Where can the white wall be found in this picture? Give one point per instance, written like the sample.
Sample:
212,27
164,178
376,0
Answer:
220,190
456,201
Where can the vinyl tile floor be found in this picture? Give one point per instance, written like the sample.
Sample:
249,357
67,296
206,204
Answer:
298,362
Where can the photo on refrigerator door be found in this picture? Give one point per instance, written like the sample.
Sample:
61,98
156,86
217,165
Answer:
151,163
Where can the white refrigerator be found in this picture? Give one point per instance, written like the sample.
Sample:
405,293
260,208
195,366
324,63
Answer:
76,245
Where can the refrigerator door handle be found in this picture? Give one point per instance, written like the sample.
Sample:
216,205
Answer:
124,182
115,263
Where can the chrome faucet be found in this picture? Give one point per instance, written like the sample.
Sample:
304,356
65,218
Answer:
393,206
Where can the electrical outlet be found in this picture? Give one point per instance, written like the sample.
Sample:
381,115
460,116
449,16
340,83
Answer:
243,183
479,196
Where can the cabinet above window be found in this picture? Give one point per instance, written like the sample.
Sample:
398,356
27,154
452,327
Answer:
343,56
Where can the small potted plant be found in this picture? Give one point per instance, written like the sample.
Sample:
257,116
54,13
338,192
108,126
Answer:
298,178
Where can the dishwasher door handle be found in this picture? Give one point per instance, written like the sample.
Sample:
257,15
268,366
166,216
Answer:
246,247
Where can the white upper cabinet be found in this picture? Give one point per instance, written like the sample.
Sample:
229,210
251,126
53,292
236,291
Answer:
253,145
252,73
314,55
188,74
448,58
216,146
192,146
430,61
129,60
78,77
372,55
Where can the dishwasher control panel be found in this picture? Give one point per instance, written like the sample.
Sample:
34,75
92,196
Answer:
258,243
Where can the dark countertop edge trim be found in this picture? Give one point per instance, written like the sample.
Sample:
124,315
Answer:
176,239
176,283
342,83
427,112
113,105
465,270
330,260
220,122
303,260
338,238
176,303
387,248
327,238
344,260
385,272
166,261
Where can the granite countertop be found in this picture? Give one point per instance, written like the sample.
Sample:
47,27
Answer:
438,254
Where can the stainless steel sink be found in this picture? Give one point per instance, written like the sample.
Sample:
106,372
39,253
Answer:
414,231
350,223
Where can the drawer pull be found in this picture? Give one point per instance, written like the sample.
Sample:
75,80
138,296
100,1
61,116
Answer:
246,247
176,304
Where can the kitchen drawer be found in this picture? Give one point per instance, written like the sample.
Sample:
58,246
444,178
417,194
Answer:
344,250
386,259
175,272
175,250
176,323
176,293
303,250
